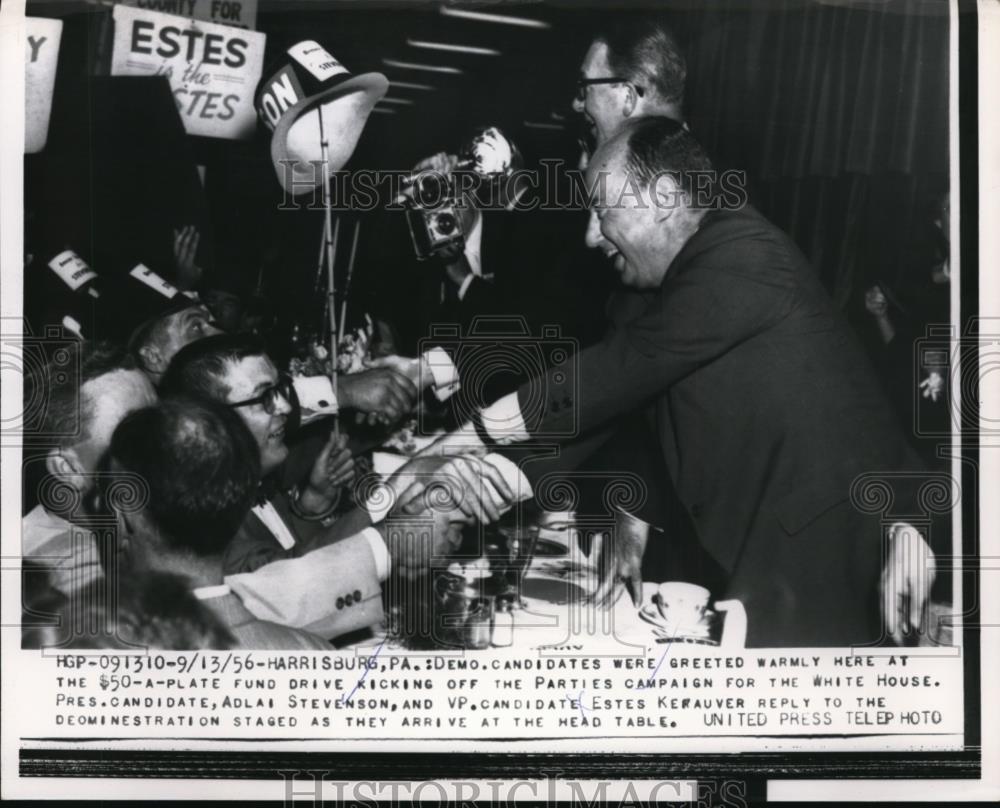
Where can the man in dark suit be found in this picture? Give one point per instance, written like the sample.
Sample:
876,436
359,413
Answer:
765,406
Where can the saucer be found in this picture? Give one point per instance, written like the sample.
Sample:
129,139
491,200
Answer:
666,629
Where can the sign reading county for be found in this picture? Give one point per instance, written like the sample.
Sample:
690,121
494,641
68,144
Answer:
41,53
213,70
242,13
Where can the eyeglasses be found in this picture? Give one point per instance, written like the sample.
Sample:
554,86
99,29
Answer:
281,389
583,84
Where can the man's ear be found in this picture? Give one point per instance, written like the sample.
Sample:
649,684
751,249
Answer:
667,197
631,101
152,359
64,465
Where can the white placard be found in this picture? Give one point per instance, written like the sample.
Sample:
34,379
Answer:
241,13
213,70
72,269
41,53
316,59
155,282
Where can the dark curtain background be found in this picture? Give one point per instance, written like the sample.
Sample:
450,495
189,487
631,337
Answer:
838,114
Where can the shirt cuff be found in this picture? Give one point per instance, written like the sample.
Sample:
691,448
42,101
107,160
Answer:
383,563
503,421
316,397
465,286
444,372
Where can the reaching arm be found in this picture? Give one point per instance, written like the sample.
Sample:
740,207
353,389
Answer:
701,313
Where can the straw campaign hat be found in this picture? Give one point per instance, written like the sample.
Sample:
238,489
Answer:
308,78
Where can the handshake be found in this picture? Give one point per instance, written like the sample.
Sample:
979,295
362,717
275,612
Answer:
386,391
430,499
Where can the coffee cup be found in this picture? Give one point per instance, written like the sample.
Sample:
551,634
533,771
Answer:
682,604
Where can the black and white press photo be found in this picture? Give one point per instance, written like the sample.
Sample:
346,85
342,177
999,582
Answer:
553,400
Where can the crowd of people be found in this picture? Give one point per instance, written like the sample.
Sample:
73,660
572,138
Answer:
179,503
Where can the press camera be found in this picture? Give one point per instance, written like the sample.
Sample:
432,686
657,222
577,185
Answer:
434,198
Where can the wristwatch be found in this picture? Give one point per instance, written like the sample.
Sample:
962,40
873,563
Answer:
327,518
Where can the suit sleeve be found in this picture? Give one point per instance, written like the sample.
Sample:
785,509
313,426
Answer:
329,592
706,310
541,462
254,545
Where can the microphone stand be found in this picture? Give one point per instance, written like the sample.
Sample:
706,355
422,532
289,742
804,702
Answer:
350,274
329,248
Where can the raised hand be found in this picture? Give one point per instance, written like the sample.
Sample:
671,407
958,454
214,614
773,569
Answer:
876,302
333,469
185,256
335,465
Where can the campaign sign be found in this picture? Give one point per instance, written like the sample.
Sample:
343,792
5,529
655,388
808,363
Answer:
213,70
41,53
241,13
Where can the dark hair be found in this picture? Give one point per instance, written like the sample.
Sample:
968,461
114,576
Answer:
199,368
57,385
658,146
642,47
151,609
201,465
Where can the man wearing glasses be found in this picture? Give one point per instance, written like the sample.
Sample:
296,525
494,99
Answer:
634,69
295,517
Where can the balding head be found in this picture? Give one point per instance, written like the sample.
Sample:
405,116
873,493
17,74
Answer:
644,180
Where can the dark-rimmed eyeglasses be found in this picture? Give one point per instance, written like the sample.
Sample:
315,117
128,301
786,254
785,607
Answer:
583,84
268,399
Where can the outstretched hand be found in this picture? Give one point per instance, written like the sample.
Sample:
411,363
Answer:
464,486
619,560
906,582
185,257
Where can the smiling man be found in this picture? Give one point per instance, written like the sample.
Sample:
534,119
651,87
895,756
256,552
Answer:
634,69
766,408
290,561
296,516
235,370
